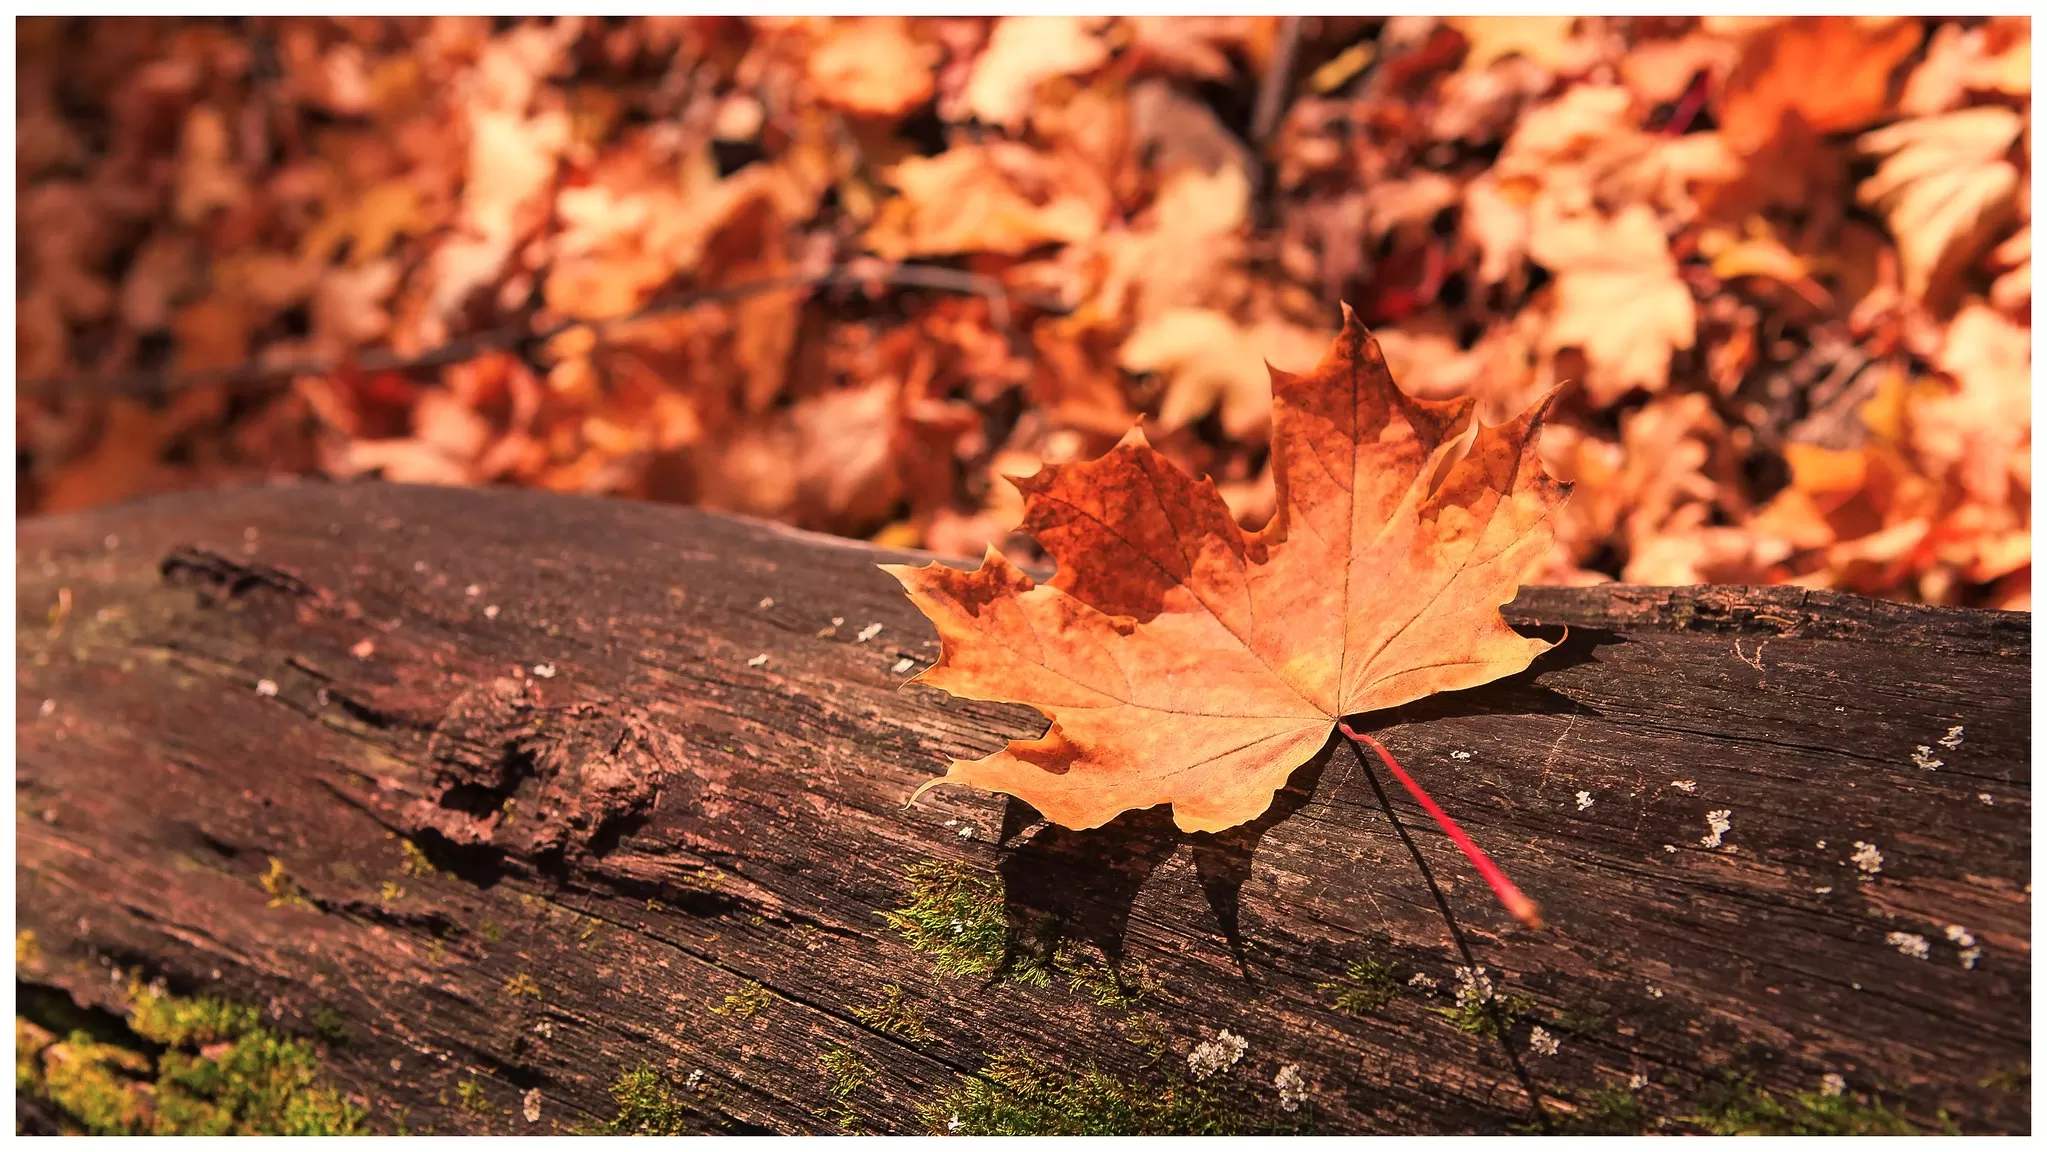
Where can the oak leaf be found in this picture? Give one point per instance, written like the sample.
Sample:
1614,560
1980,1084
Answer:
1184,661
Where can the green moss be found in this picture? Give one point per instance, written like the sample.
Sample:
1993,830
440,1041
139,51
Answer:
470,1095
415,862
895,1017
220,1073
745,1003
844,1075
648,1105
491,931
2013,1078
1611,1110
1482,1010
284,890
1367,985
1017,1095
330,1026
1737,1106
955,918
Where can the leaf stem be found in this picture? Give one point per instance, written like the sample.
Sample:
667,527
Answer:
1510,897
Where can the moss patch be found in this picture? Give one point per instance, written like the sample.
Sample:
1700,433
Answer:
1367,985
1737,1106
1018,1095
844,1075
894,1016
745,1003
648,1105
219,1072
957,918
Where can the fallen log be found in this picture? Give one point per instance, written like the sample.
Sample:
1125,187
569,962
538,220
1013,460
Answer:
533,813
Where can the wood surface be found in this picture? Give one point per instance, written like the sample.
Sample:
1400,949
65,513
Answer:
650,757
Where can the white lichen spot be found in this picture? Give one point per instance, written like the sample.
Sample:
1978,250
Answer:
1685,786
1819,843
363,649
1670,848
1832,1085
530,1105
867,633
1965,941
966,831
1985,799
767,602
473,591
1424,981
45,708
903,665
1637,1082
490,611
1924,757
1460,755
1908,944
838,620
1867,858
1218,1055
544,1029
1584,800
1824,890
757,661
1952,740
954,1124
1717,824
1541,1043
396,1063
266,687
695,1080
1655,993
1293,1089
544,671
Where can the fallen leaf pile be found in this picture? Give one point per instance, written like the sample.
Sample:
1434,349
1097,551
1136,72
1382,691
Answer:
849,272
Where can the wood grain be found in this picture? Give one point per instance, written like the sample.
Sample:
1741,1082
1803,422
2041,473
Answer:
630,815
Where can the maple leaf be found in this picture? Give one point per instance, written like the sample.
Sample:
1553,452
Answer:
1184,661
1831,72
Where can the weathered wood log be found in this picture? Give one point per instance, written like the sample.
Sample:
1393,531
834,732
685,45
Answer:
526,791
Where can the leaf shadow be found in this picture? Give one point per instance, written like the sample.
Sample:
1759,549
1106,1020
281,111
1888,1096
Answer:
1061,884
1084,883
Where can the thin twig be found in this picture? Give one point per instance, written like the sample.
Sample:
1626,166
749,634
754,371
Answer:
1491,1005
469,347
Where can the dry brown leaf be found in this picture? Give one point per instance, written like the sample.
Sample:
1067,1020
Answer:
1945,187
1831,72
1546,40
1024,52
1185,662
1209,359
1618,297
873,66
968,199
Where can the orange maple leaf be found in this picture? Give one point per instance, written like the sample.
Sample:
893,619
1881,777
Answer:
1184,661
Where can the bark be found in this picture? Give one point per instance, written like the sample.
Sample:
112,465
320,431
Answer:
546,780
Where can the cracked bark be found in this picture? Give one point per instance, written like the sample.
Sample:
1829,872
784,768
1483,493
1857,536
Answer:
557,701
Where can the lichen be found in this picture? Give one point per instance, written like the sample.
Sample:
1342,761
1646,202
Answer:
218,1072
1367,985
471,1097
415,862
1480,1009
895,1017
522,984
